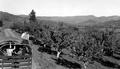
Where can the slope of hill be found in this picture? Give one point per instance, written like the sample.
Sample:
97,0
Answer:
79,20
9,17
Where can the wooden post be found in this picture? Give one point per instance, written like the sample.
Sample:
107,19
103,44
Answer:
2,63
30,66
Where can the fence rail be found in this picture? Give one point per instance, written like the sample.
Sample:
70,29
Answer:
13,61
13,57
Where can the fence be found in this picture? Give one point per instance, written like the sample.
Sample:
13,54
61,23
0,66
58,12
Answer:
16,62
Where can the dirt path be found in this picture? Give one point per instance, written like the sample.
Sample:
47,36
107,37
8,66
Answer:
34,65
35,59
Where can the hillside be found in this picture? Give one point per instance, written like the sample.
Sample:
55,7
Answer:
79,20
8,18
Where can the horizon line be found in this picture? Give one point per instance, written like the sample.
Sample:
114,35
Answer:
61,16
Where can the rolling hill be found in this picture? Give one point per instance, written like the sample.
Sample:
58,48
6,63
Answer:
79,20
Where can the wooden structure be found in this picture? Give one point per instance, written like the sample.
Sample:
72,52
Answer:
23,61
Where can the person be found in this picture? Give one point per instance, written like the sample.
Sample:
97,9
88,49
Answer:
10,50
17,53
20,51
25,36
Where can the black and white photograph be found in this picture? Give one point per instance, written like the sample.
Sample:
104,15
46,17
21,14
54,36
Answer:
59,34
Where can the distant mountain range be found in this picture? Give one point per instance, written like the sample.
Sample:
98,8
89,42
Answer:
79,20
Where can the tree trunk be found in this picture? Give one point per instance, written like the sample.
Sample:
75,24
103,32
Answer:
58,54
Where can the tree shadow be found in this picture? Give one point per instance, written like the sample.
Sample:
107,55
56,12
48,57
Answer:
41,48
47,50
116,57
35,41
110,54
68,64
107,63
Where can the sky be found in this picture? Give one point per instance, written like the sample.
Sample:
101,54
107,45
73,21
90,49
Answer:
62,7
